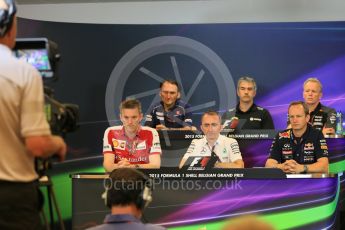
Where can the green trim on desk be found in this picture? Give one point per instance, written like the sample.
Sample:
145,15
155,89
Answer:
337,167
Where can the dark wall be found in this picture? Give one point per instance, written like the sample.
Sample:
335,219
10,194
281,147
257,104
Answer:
103,64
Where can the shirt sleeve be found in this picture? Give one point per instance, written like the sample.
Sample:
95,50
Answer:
321,148
275,151
156,145
33,117
267,121
107,145
148,119
234,153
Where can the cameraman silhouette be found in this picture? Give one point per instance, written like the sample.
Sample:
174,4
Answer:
24,131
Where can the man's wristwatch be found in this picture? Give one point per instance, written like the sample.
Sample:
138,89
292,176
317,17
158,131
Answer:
305,169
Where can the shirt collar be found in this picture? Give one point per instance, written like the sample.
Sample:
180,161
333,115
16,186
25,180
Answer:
5,50
124,134
172,108
317,108
251,109
305,134
120,218
205,143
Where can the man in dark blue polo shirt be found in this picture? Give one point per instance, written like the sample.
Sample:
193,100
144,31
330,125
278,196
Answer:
300,149
128,193
170,112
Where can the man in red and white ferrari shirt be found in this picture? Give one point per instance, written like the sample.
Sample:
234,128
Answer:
131,145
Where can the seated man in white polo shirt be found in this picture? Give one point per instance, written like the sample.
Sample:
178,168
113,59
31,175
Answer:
225,149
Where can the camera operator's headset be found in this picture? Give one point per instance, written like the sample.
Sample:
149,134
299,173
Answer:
6,16
143,200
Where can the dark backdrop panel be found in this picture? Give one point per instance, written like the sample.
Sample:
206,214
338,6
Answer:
280,56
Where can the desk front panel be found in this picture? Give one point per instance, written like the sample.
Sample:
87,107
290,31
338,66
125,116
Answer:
294,203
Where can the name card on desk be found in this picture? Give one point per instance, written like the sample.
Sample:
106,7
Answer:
251,134
239,134
180,134
215,174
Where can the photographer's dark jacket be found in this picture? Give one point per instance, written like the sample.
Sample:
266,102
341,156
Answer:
305,150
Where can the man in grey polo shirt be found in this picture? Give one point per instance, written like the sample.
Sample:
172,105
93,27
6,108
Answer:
24,131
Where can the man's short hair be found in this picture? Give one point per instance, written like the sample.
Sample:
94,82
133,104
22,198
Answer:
8,10
211,113
125,186
305,106
173,82
315,80
246,79
130,104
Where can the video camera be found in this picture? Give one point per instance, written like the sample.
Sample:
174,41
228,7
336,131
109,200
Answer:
62,118
43,55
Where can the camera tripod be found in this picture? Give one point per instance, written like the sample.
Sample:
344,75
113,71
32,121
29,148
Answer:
45,181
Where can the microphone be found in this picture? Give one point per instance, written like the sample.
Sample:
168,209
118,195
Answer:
209,162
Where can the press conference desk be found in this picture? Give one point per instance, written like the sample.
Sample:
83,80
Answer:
297,201
200,199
